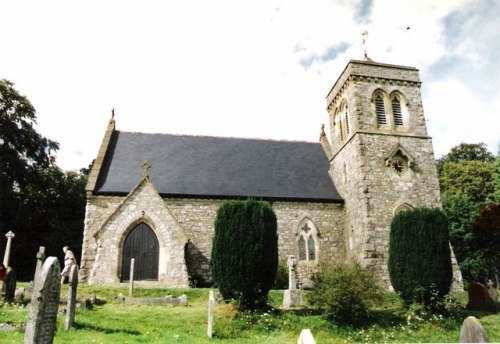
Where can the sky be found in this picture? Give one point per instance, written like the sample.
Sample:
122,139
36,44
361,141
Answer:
242,68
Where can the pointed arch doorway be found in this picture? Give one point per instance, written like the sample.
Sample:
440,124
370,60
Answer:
142,245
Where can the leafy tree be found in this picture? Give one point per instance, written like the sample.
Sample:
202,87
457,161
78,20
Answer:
473,178
484,259
245,252
467,152
419,256
346,292
496,178
41,204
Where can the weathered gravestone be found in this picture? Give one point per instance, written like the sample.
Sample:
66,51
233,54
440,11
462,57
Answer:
472,331
306,337
479,298
44,304
211,305
70,307
292,296
9,282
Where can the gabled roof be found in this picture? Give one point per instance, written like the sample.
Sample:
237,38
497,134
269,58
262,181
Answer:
215,167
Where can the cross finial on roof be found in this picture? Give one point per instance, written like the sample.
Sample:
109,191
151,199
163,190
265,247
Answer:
145,169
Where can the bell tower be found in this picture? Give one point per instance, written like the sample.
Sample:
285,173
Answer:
381,157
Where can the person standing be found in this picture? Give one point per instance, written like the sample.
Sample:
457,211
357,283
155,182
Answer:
69,261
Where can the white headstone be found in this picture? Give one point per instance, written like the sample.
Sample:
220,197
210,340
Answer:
131,280
306,337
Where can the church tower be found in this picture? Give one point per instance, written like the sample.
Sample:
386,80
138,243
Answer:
381,157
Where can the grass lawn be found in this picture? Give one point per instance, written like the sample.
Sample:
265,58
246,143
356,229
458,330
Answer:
112,322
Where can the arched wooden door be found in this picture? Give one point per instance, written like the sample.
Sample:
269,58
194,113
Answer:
142,245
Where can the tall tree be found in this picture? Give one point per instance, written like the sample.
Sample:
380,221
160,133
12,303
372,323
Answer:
23,151
41,204
467,179
496,178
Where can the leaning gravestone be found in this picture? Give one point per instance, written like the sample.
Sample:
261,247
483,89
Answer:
472,331
70,307
44,304
10,281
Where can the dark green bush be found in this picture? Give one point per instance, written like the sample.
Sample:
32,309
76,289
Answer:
345,292
245,252
419,256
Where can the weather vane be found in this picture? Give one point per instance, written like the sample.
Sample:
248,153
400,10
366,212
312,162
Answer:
365,36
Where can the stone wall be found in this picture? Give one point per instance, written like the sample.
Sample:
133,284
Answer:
185,226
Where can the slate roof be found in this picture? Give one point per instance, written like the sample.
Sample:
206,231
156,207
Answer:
215,167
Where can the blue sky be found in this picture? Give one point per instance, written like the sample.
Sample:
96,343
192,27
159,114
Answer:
258,69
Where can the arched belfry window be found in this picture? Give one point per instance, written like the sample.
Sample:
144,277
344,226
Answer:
396,111
380,109
307,242
142,245
346,116
338,126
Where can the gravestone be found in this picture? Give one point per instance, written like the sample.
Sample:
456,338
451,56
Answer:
292,296
211,305
70,307
44,304
9,282
472,331
479,298
306,337
492,291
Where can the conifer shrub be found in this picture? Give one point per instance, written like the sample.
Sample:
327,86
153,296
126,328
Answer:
345,292
245,252
419,256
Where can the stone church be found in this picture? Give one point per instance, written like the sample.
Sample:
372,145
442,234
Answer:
154,197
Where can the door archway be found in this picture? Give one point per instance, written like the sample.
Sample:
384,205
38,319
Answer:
142,245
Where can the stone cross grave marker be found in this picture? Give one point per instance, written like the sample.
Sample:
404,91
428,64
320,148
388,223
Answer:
44,304
40,258
9,282
6,255
472,331
211,305
70,307
292,296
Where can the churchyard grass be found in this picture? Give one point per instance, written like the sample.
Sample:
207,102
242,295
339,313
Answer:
113,322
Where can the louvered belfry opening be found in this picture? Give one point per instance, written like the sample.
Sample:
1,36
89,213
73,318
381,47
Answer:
396,111
142,245
380,110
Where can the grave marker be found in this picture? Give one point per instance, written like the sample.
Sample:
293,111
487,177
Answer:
6,255
211,305
131,281
70,307
9,282
306,337
44,304
472,331
292,297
